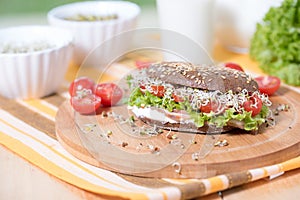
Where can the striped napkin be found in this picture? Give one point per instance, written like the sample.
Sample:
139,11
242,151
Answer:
27,128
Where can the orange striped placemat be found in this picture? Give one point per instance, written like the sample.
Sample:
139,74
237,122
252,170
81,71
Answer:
27,127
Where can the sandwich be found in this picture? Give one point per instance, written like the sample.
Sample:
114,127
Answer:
184,97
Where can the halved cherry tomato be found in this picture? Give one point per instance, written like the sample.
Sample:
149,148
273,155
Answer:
254,105
142,87
86,104
158,90
142,64
268,84
80,84
210,106
110,93
177,98
234,66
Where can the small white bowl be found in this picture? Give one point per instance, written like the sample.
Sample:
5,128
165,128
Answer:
90,34
34,60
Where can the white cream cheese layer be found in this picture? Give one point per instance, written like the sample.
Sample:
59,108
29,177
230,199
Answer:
161,115
151,113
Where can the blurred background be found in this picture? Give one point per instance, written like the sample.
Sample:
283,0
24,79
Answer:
10,7
20,12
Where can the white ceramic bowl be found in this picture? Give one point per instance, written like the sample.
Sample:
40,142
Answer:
38,72
88,35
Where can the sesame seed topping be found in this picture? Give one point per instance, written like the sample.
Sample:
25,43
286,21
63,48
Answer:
200,76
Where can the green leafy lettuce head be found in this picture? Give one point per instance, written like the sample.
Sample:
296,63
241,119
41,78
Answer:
276,42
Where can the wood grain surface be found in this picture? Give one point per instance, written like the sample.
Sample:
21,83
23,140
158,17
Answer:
109,143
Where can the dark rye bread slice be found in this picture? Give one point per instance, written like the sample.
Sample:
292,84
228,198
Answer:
203,77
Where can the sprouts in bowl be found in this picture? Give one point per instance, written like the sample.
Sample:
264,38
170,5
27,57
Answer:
34,60
93,22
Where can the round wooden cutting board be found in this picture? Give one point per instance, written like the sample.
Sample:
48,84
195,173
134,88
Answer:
111,141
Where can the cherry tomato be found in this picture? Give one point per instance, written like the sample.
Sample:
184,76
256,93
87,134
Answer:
268,84
210,106
110,93
142,87
254,105
177,98
86,104
158,90
234,66
142,64
80,84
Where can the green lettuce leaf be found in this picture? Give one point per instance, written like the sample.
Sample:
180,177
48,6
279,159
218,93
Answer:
138,98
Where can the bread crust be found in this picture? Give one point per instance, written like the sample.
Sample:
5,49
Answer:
202,76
